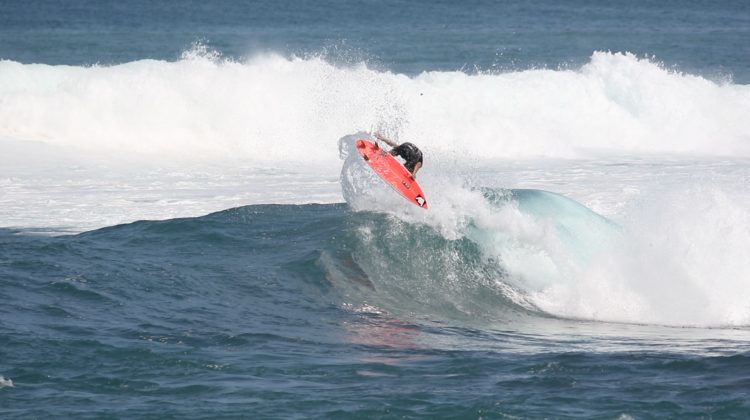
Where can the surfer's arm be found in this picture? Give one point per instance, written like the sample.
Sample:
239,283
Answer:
417,167
385,140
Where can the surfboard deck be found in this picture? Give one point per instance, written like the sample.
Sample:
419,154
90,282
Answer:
392,172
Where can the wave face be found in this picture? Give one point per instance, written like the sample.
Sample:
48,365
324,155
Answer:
517,257
272,110
484,269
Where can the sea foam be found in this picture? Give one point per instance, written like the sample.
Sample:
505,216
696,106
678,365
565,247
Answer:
6,382
272,110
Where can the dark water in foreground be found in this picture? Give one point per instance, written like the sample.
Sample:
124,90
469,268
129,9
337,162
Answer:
279,311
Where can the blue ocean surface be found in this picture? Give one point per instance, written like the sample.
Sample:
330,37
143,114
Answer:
628,302
272,311
404,36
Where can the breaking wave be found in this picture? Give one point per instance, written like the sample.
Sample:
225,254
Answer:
272,110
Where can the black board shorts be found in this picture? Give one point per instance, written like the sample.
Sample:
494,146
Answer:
411,154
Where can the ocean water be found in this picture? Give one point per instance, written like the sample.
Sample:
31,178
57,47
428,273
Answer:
186,231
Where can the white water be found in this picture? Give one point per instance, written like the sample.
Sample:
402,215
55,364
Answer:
85,147
271,109
5,382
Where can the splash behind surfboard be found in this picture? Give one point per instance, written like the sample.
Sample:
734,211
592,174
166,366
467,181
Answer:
392,172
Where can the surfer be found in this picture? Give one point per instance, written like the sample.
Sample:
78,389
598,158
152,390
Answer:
408,151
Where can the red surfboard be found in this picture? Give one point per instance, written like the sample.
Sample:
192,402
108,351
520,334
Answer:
392,172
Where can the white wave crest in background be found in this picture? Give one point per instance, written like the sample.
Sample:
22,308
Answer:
271,109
